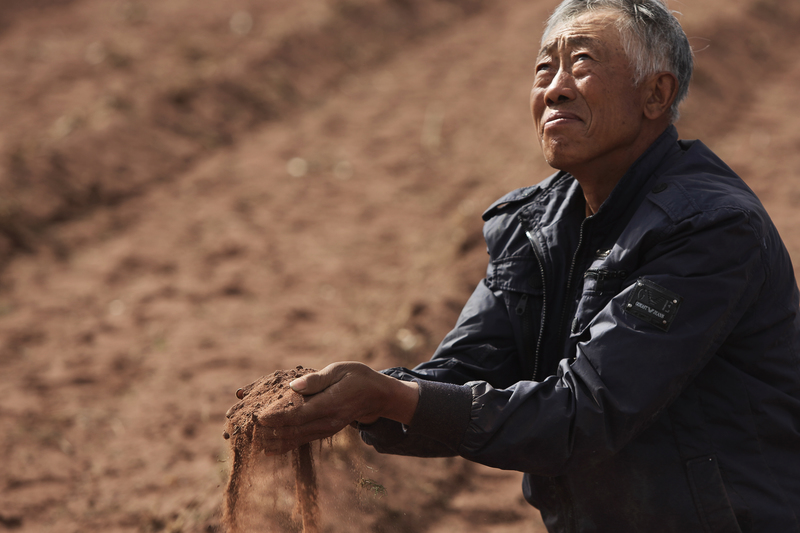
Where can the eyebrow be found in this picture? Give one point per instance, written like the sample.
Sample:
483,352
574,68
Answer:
573,41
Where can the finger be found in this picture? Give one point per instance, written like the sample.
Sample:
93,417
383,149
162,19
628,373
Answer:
277,416
309,430
279,447
311,383
265,438
320,380
272,445
283,446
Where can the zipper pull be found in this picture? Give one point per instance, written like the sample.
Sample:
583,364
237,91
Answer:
523,303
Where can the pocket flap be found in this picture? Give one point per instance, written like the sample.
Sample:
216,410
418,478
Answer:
520,274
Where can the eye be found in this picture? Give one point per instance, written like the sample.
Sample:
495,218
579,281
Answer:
582,56
542,66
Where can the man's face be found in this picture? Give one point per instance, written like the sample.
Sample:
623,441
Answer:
585,107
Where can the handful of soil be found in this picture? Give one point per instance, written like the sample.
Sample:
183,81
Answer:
248,440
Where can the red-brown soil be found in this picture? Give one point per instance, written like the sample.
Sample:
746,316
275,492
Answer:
196,193
249,441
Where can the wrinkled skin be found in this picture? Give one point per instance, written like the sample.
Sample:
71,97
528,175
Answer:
590,118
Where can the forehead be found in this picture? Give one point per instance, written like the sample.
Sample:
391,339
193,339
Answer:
595,29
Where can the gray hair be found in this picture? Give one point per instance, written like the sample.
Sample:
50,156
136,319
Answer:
651,36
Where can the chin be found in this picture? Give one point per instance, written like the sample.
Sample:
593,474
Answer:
557,160
556,153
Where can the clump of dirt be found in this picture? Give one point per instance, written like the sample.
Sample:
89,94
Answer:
248,441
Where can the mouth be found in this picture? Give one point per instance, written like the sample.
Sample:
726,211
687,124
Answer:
559,118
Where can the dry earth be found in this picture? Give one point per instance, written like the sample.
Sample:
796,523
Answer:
196,193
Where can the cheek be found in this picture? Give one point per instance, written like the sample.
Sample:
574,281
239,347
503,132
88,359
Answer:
537,106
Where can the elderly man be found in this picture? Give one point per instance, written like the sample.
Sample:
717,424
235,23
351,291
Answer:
634,347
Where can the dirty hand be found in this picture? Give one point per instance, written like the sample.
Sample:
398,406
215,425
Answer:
336,396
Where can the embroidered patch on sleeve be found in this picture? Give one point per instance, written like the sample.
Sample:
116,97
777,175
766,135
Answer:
653,303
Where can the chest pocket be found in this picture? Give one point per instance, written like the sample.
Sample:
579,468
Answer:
518,274
600,285
520,282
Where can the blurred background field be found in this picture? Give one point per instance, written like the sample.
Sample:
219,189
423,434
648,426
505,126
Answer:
196,193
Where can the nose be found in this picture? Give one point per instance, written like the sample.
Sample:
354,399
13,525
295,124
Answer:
561,88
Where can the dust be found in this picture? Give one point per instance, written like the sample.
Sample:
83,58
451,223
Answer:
248,441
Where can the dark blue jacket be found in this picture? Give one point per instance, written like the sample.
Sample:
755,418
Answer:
641,365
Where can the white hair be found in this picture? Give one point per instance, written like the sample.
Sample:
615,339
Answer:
652,37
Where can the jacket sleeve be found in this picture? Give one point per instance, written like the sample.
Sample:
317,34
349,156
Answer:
480,348
625,370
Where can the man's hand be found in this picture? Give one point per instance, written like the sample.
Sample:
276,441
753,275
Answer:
336,396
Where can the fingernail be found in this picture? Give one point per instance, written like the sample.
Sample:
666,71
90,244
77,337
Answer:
298,385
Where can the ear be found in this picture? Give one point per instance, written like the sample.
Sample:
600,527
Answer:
660,92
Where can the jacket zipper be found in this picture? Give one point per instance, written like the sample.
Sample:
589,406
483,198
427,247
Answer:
568,293
559,483
538,348
525,313
601,275
566,494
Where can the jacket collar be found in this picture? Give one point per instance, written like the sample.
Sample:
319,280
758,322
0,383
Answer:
638,180
548,201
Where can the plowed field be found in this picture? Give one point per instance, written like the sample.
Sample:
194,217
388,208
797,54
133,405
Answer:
194,194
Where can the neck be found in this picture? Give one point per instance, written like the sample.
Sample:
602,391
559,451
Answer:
595,192
599,178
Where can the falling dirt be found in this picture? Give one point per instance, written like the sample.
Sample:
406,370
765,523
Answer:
303,463
248,441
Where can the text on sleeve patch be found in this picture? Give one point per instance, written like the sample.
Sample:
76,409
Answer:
653,303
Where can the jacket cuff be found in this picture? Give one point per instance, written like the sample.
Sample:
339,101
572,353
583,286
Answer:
443,412
383,433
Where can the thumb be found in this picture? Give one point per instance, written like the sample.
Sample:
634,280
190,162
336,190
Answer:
319,381
312,383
